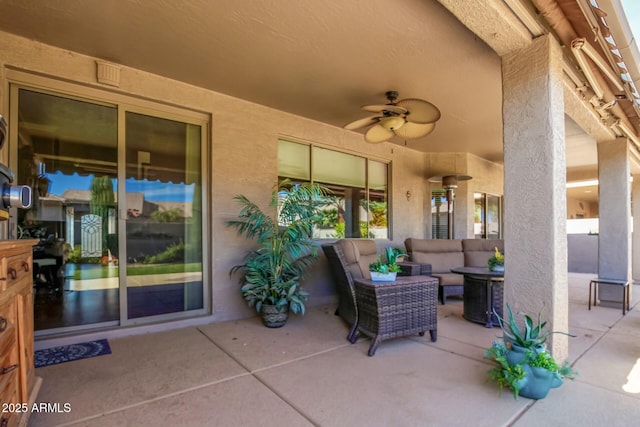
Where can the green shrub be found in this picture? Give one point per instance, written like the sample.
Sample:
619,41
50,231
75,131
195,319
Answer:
173,253
170,215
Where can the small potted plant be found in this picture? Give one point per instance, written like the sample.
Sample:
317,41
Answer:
543,373
505,374
382,271
496,262
394,254
522,361
529,337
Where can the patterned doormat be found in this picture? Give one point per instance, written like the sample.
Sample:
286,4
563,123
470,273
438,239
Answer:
68,353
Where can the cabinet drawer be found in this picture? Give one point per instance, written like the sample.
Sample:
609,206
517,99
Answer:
7,340
9,365
15,268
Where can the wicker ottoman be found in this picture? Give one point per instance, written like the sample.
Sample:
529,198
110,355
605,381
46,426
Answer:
394,309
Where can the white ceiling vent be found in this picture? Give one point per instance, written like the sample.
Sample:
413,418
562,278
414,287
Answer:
108,74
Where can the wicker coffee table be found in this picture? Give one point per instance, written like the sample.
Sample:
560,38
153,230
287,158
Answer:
394,309
483,294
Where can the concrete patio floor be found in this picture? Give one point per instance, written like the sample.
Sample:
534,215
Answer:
306,374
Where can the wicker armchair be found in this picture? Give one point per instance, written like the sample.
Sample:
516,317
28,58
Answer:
379,310
344,286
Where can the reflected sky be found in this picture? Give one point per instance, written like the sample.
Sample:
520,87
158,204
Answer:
153,190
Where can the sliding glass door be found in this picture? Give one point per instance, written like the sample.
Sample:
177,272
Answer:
164,216
117,209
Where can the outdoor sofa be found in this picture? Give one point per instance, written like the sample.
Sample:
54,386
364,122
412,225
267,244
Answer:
439,256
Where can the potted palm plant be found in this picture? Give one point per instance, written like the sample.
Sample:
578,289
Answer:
271,273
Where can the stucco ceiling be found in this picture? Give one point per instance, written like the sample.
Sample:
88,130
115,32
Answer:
319,59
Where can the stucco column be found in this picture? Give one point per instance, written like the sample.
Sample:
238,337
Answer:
614,238
635,236
534,187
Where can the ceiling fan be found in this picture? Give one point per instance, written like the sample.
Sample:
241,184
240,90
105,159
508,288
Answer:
408,118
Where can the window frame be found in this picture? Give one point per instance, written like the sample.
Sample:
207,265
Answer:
123,102
485,208
366,189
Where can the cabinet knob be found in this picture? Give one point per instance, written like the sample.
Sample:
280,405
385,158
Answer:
25,266
8,369
13,274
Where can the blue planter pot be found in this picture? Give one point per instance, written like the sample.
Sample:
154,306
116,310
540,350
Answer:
517,353
539,382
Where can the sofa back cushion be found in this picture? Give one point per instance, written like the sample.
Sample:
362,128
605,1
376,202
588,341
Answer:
478,251
359,253
443,255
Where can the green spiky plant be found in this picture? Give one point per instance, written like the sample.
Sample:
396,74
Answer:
272,273
531,336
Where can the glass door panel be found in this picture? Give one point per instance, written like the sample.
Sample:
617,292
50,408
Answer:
67,152
494,220
163,199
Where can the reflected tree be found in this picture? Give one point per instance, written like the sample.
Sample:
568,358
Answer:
102,200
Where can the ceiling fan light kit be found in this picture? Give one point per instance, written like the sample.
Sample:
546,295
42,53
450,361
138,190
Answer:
391,122
409,118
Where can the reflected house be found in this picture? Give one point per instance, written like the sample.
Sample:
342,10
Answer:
147,237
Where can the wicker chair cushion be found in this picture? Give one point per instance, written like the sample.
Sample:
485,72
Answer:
359,253
469,245
477,252
477,258
440,262
433,245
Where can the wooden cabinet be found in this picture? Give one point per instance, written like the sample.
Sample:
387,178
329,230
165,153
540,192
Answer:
18,383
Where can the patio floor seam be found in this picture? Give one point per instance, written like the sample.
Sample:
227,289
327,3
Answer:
254,372
155,399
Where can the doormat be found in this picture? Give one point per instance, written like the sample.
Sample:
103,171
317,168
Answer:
68,353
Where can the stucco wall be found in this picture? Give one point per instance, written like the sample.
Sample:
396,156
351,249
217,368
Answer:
243,157
577,208
486,177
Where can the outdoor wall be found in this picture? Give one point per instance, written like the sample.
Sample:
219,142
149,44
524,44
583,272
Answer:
486,177
581,209
243,157
582,253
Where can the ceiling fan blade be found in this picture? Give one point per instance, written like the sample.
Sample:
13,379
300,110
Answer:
378,134
420,111
360,123
384,107
415,130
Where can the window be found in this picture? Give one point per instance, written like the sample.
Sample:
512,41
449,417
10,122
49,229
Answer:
439,214
487,216
359,189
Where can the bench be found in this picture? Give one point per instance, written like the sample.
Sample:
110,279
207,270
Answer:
593,284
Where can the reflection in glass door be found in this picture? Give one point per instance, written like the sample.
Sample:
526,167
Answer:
163,219
117,210
67,152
